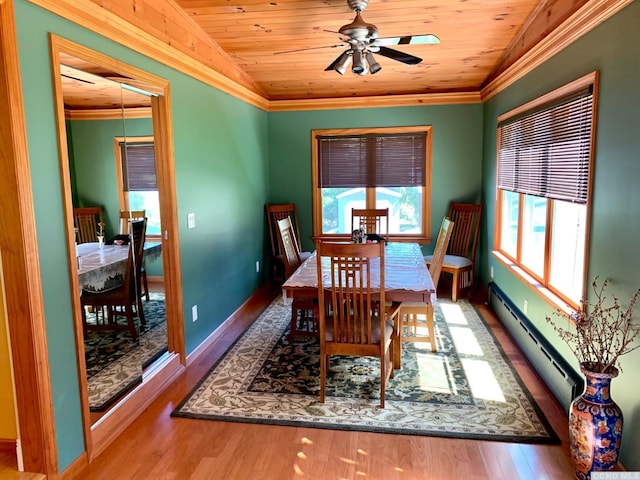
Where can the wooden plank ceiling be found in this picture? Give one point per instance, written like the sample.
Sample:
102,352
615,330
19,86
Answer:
477,38
243,40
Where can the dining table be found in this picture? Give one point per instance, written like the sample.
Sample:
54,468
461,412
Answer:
101,267
406,279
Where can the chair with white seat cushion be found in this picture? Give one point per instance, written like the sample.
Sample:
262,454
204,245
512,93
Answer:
461,254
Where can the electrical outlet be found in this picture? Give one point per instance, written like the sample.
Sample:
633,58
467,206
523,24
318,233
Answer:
491,273
525,306
191,220
194,313
257,266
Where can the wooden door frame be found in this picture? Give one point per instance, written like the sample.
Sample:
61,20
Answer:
99,435
20,261
18,241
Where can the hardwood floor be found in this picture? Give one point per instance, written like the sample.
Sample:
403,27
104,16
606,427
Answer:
9,466
157,446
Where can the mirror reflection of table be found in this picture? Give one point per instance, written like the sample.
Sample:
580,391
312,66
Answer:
103,268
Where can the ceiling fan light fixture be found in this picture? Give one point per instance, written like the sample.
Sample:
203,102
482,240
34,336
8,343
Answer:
342,63
359,66
374,66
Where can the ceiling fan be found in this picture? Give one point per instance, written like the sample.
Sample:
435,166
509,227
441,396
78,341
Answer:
362,40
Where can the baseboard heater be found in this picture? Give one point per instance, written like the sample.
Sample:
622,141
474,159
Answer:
560,377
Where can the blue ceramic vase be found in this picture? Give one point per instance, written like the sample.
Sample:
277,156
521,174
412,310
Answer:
595,425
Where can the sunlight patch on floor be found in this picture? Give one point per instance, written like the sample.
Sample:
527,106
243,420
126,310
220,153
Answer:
465,341
482,381
434,374
453,314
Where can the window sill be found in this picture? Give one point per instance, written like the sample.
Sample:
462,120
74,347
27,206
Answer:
540,290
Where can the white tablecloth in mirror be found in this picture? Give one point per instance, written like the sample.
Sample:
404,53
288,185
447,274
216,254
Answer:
102,268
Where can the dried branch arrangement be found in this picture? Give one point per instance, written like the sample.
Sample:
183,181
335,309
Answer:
600,332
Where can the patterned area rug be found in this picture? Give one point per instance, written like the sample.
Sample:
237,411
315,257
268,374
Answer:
467,389
115,361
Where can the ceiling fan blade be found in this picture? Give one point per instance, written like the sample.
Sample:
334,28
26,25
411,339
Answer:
426,39
399,56
310,48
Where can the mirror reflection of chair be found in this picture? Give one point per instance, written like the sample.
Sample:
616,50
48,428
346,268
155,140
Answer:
123,299
277,212
124,228
417,318
372,220
126,217
461,254
350,319
86,221
304,312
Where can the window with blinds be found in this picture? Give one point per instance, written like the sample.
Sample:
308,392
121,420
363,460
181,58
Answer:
137,181
138,167
377,168
392,160
544,170
547,152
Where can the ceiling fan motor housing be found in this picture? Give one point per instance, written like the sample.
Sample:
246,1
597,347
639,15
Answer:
359,29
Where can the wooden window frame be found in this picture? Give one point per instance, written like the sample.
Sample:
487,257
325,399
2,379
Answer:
541,283
425,235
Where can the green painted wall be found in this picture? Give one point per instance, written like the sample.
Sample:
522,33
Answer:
615,230
221,175
94,161
94,167
456,154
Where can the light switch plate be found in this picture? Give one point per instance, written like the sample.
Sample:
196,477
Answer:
191,220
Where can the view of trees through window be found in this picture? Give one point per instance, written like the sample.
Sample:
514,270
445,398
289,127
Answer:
404,203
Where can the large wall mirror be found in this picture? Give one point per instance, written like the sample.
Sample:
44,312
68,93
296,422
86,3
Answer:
119,204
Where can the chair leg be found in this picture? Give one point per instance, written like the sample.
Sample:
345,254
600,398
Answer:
390,360
84,321
145,283
132,325
383,377
323,375
294,322
454,286
140,311
431,326
409,319
396,341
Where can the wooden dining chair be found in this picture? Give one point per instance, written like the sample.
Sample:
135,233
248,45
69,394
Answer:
126,217
461,255
277,212
351,322
418,317
87,221
124,299
124,228
372,220
304,312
